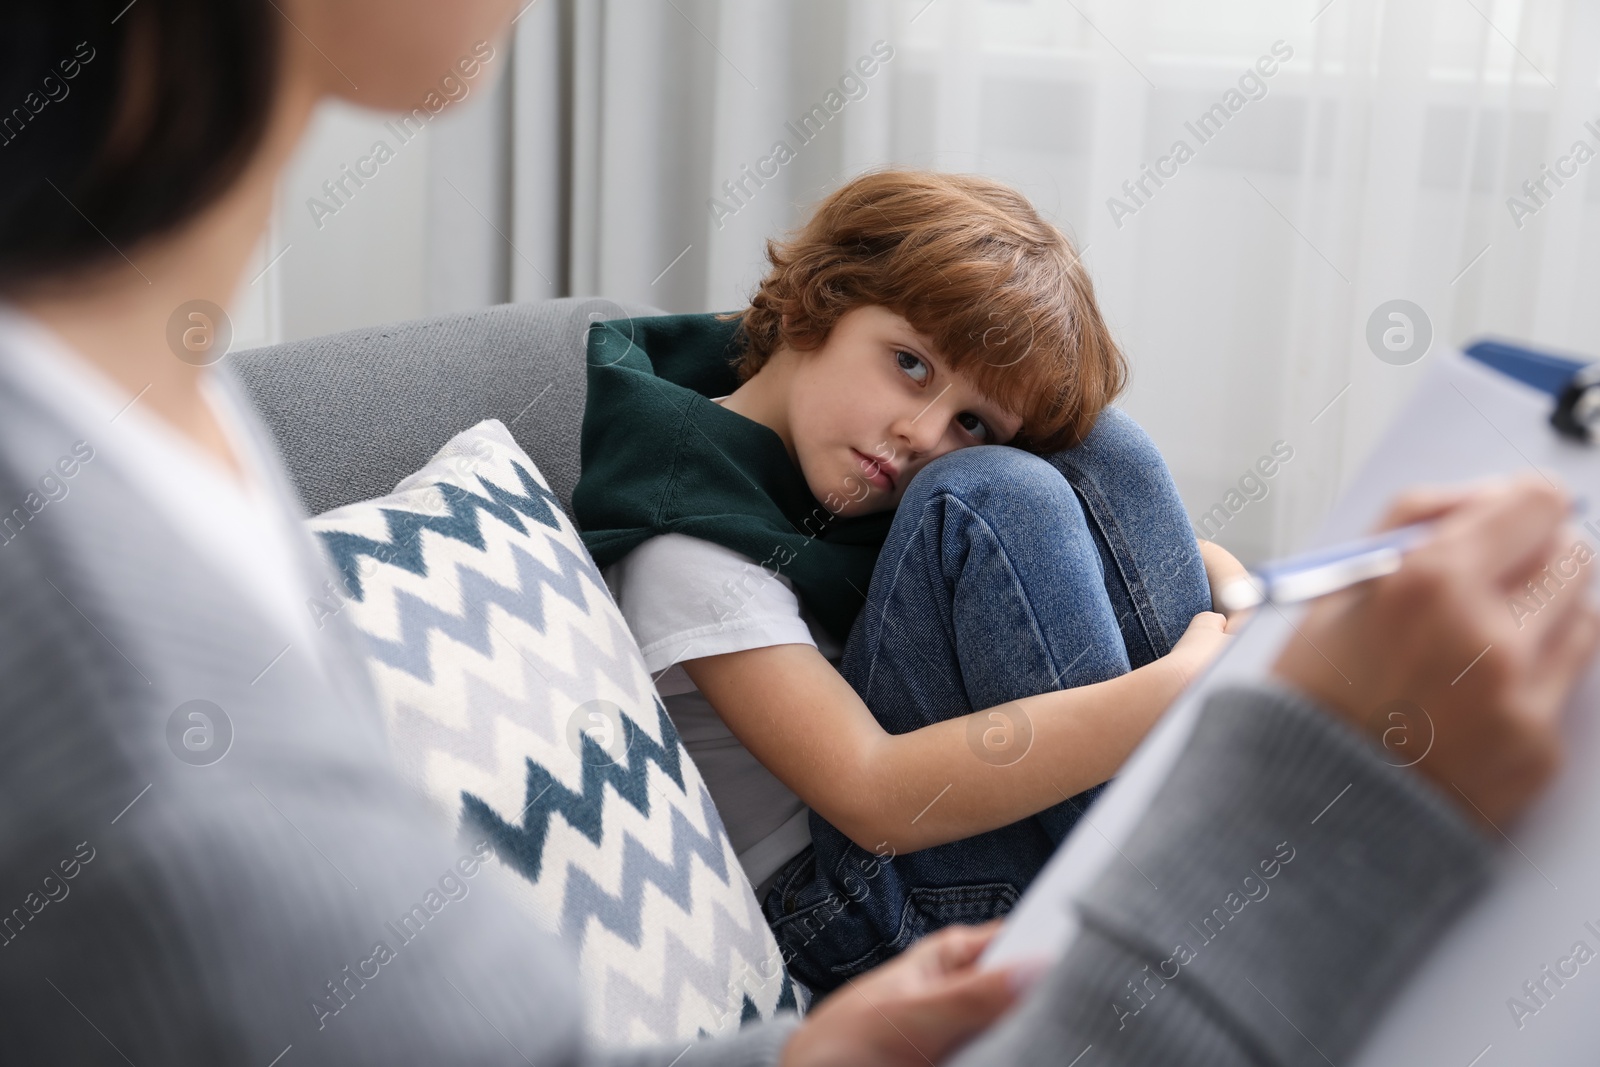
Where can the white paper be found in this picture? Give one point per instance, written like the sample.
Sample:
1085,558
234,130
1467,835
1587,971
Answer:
1465,421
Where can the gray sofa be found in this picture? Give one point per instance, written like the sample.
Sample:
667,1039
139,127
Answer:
355,412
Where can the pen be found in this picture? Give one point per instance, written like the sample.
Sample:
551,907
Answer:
1324,571
1328,570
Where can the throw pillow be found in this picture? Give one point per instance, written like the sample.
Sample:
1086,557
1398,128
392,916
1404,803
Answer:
518,702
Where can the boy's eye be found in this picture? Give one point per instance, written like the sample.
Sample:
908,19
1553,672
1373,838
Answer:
915,369
977,427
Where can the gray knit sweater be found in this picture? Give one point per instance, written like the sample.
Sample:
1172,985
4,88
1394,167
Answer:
208,906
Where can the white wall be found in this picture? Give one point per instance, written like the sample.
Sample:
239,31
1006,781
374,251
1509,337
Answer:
427,233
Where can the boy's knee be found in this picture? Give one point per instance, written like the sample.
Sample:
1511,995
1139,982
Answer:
1116,437
971,474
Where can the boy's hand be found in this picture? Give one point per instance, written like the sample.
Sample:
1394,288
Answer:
1201,643
1222,568
1435,662
914,1010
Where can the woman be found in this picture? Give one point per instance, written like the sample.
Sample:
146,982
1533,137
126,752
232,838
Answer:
170,906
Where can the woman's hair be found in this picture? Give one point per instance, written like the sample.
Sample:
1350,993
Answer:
970,264
120,121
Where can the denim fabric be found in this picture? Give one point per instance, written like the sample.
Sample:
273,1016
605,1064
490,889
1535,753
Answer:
1005,574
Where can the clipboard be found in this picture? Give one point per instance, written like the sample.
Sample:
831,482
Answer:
1490,409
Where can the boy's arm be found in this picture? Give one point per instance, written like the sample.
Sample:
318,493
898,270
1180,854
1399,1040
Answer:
801,719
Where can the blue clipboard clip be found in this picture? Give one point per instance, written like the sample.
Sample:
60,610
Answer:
1574,383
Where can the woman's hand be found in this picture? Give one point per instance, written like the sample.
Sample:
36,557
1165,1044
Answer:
914,1010
1450,662
1222,568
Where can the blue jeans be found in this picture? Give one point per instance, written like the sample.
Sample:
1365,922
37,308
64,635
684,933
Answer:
1004,574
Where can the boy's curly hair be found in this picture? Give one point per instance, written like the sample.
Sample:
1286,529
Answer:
970,264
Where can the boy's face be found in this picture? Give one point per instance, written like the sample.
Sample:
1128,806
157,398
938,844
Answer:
874,405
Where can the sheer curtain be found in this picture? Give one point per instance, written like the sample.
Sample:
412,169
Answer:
1341,154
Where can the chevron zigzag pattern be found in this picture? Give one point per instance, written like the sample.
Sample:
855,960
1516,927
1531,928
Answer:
524,601
494,644
403,546
585,811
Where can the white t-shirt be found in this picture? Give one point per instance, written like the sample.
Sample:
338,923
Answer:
684,598
237,526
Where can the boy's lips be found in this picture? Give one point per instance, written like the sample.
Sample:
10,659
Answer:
879,472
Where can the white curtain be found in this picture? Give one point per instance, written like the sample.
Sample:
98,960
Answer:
1342,154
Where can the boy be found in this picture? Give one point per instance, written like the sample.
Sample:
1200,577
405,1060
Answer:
751,482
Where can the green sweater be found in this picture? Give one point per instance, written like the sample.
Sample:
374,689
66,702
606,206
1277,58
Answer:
659,456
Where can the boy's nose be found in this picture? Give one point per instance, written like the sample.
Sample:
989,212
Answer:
920,432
